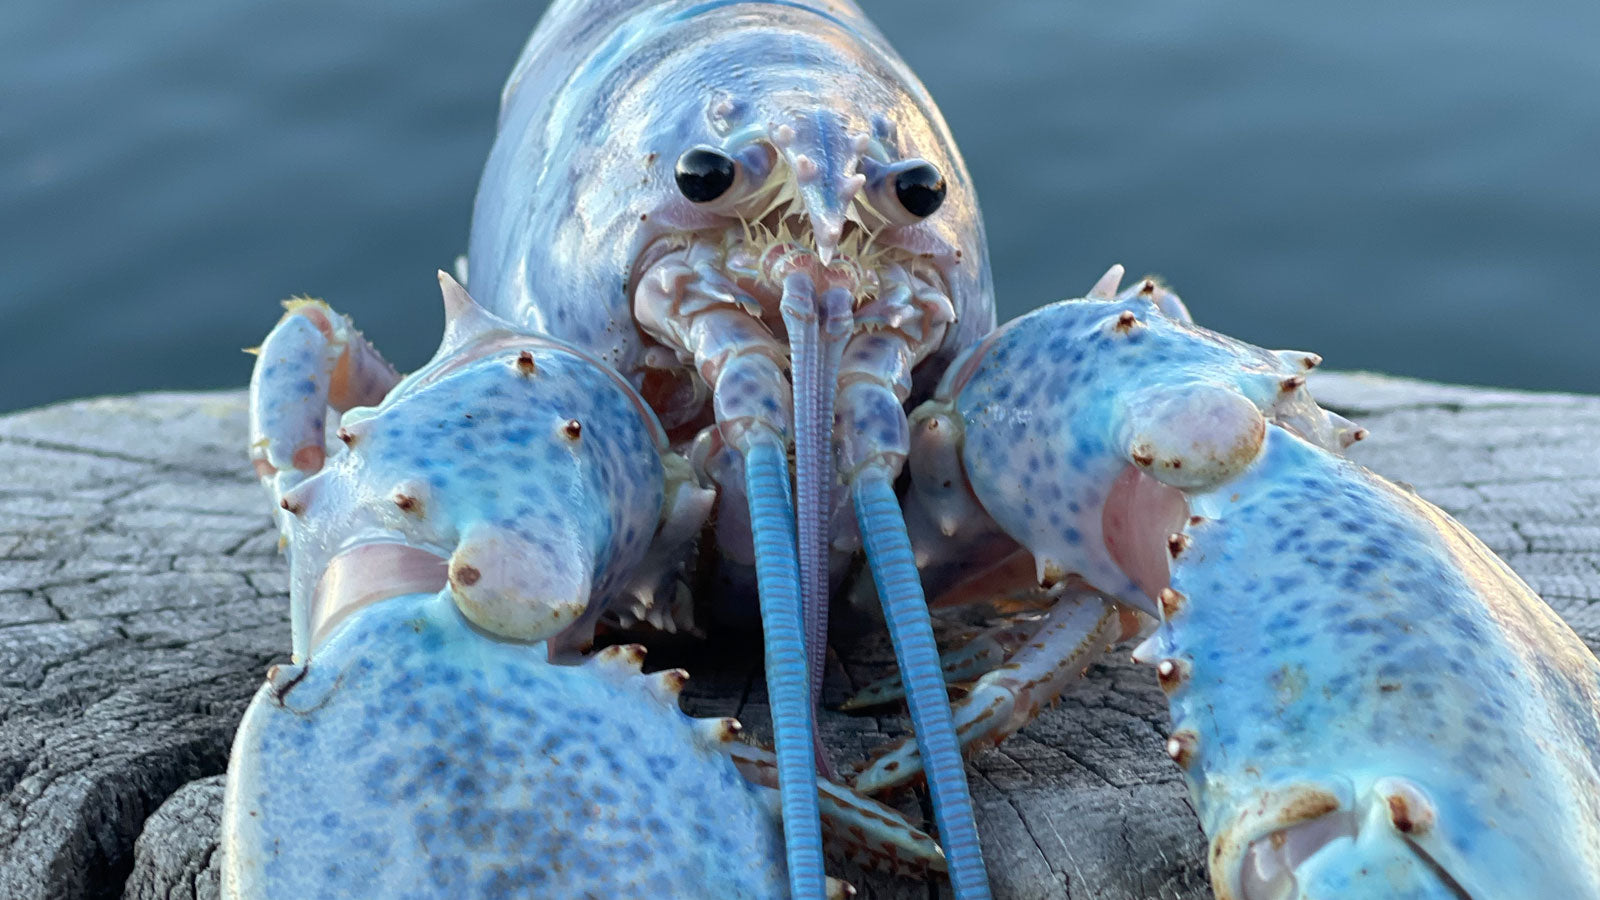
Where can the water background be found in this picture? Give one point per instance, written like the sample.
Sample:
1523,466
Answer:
1408,187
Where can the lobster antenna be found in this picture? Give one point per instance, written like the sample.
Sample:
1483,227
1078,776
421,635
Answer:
766,466
818,328
905,609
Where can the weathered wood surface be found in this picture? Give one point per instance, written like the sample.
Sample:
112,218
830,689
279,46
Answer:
142,597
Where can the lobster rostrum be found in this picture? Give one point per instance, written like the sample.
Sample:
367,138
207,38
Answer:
475,516
1367,703
755,213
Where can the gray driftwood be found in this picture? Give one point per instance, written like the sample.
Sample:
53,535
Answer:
142,597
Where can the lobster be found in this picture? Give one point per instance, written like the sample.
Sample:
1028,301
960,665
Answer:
751,216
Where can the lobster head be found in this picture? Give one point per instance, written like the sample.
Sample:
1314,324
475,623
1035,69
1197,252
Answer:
766,140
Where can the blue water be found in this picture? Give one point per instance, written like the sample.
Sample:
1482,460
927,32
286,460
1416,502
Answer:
1411,187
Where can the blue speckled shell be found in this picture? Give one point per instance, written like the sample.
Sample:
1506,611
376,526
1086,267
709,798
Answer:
1340,630
1045,401
1332,635
487,446
471,767
605,98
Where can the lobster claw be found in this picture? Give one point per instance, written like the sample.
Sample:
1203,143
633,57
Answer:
477,457
1352,678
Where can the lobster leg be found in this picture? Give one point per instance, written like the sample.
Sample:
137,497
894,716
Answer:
981,653
856,826
1076,630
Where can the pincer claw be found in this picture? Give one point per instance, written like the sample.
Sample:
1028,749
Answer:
1366,703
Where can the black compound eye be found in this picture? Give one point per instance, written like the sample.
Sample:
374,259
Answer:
920,190
704,174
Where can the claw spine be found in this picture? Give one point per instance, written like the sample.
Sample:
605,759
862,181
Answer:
1171,602
1177,542
667,684
1181,747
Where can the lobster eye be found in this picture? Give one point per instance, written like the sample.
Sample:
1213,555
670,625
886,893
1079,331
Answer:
704,174
920,189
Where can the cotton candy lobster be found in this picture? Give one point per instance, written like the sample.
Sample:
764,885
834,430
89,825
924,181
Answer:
749,220
1367,703
420,744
